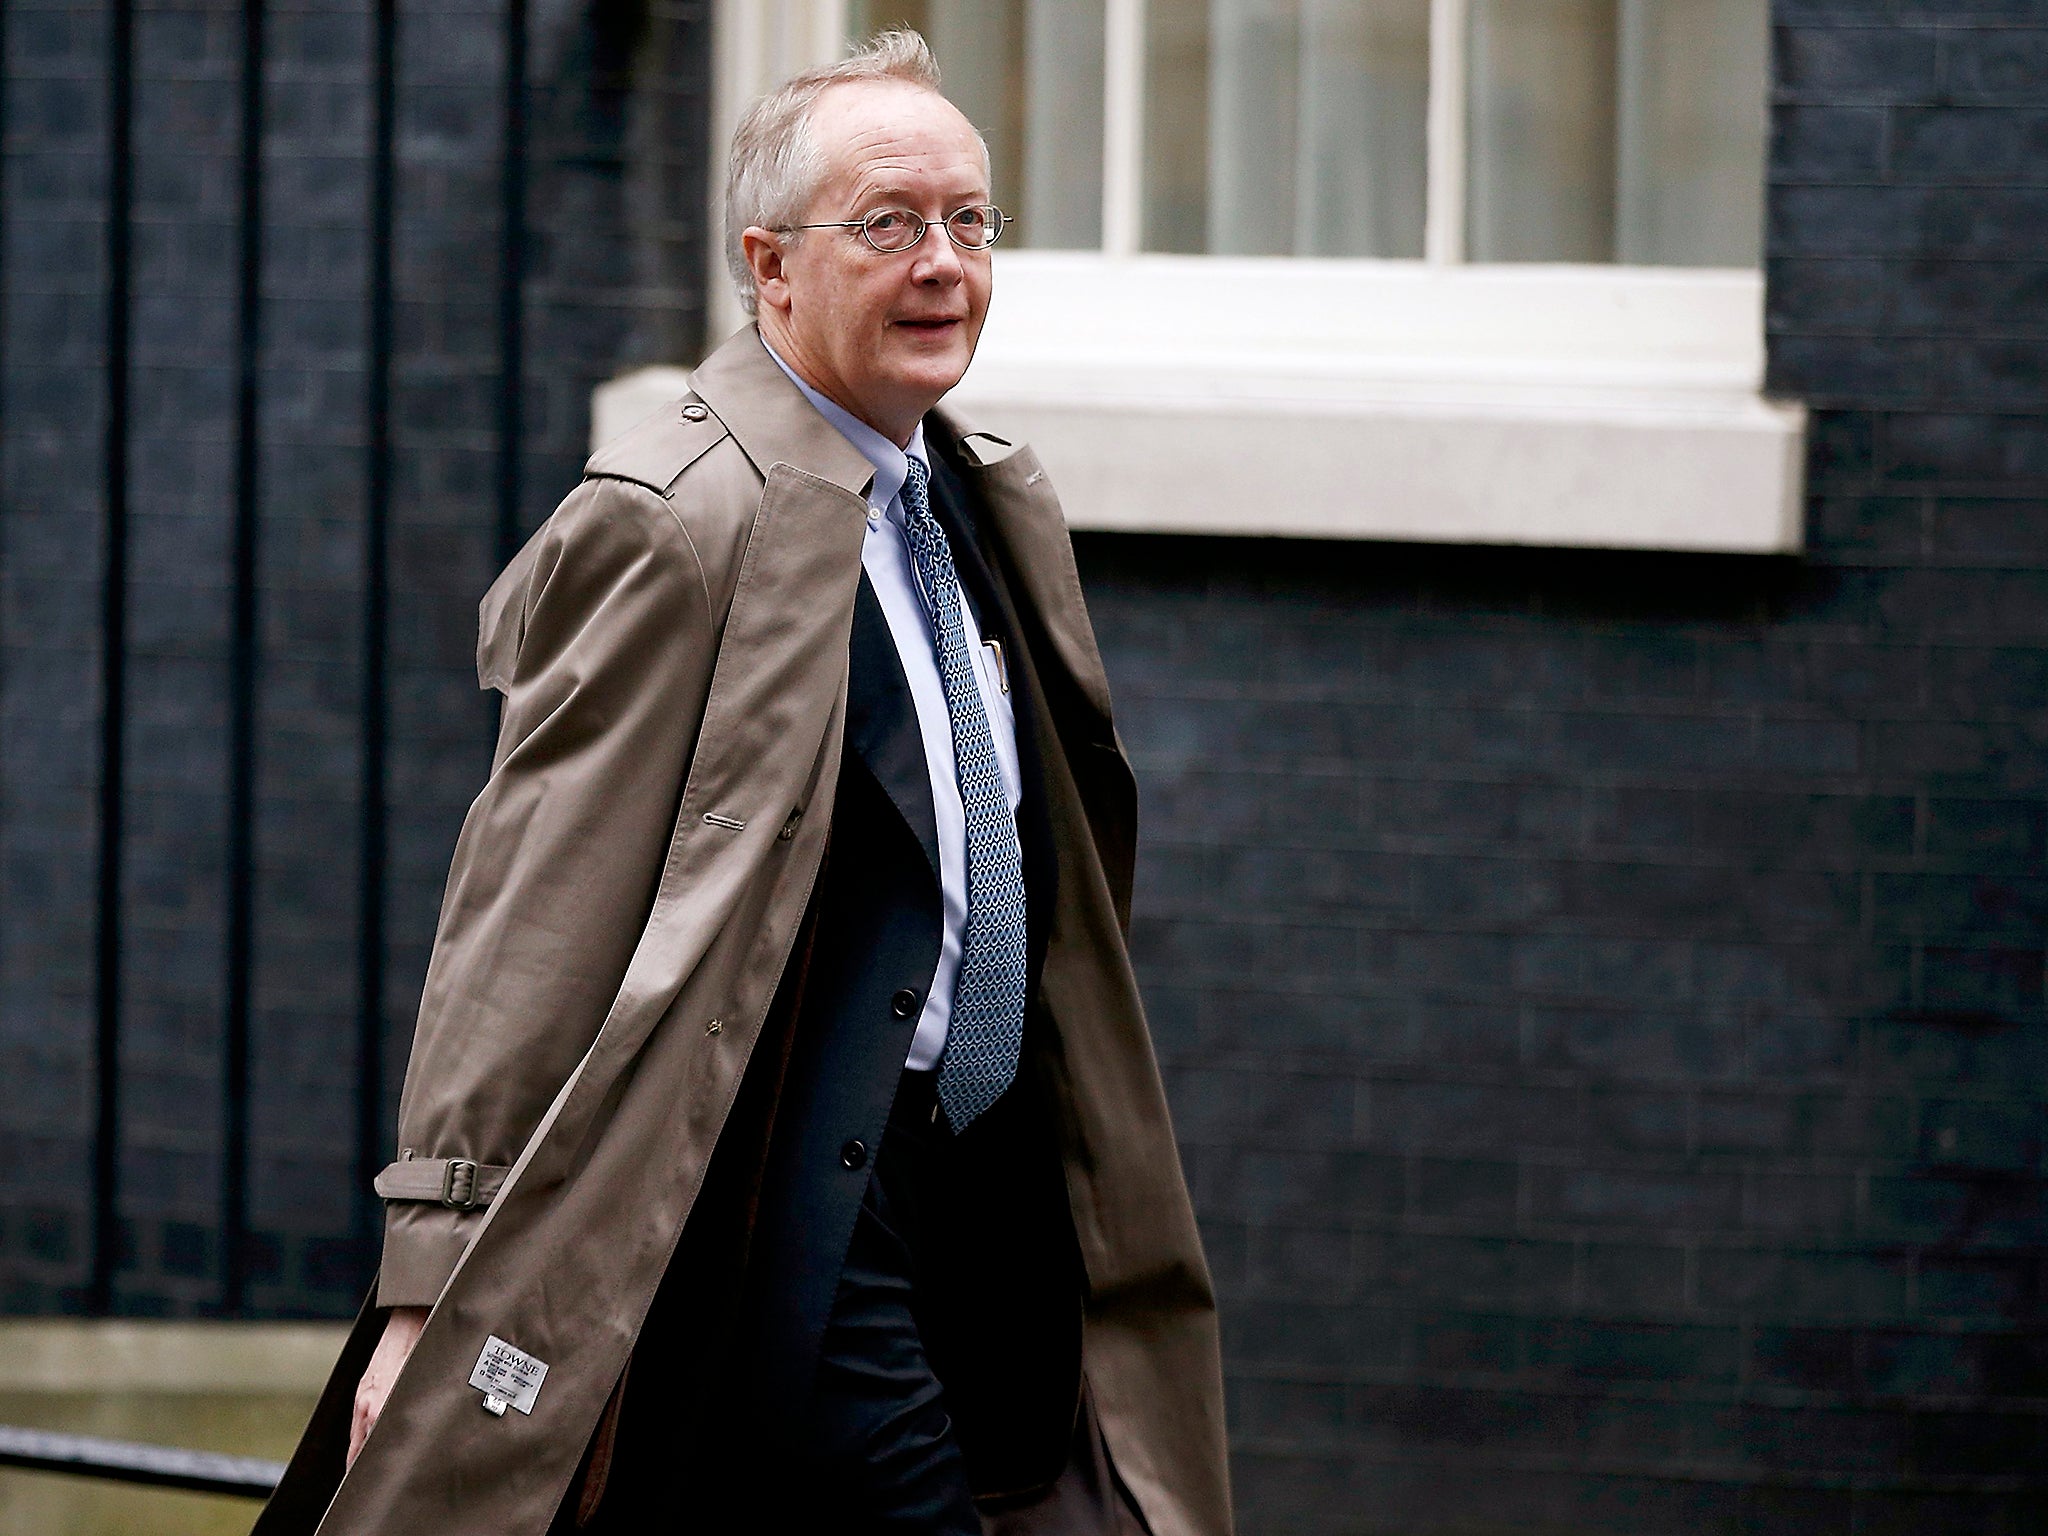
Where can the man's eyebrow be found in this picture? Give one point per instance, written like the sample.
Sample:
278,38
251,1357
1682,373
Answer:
904,196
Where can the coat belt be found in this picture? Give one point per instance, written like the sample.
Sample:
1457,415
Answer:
455,1182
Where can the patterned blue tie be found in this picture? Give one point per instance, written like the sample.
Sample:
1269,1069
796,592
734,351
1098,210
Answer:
987,1027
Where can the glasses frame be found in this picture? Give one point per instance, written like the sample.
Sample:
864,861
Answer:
998,222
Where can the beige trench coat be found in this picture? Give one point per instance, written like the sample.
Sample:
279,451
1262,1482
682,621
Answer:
672,647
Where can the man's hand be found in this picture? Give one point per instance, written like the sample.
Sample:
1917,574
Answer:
401,1332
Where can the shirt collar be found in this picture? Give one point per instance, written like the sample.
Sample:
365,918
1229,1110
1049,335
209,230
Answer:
891,464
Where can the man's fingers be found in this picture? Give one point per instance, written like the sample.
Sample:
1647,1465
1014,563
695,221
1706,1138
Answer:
401,1332
369,1404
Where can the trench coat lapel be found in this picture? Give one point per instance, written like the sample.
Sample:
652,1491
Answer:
1025,516
1028,540
768,684
774,423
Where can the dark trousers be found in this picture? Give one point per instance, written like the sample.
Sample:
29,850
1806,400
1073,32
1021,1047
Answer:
883,1446
951,1233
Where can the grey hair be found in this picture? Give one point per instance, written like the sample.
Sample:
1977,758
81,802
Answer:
777,164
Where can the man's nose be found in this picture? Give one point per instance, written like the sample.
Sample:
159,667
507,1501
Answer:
938,258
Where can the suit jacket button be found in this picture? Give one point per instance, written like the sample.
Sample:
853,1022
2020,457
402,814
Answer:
854,1154
904,1003
694,412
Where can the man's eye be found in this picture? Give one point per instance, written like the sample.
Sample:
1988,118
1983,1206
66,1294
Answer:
969,218
887,223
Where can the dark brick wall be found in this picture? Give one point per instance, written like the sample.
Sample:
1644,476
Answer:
52,191
1602,996
613,278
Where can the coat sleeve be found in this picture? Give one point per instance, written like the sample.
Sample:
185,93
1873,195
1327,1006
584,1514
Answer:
602,639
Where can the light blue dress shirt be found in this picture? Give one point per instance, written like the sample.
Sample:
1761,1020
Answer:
885,556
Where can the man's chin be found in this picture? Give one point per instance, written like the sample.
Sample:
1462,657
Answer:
933,373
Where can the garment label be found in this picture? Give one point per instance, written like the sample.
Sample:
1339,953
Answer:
507,1375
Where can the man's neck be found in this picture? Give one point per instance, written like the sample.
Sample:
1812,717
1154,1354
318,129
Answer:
792,357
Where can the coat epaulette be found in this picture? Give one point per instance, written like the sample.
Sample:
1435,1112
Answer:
657,451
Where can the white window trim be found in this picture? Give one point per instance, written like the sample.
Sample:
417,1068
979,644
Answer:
1603,406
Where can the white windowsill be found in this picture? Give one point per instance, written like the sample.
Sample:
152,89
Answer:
1584,406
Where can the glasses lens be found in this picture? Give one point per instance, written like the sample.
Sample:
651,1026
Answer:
976,229
892,229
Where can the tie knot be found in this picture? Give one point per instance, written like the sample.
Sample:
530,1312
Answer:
916,487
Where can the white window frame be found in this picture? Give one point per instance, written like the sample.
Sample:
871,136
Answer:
1433,399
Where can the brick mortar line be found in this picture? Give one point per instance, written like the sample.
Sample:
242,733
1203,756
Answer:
1390,1303
1698,1470
1662,707
1608,856
1740,1169
1262,1066
1635,1389
1624,1232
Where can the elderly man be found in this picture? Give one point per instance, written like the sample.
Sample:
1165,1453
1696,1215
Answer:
782,1147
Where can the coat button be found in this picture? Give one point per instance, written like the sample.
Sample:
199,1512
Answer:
904,1003
694,412
854,1154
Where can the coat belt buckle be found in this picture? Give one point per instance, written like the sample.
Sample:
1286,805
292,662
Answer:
458,1184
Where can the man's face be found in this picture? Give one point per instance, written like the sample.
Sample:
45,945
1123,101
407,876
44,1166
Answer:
883,335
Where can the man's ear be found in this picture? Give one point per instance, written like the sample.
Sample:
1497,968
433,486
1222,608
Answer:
764,253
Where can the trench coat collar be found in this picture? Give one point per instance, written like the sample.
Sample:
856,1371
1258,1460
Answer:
1024,513
771,420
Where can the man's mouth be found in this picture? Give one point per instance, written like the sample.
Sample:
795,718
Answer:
934,326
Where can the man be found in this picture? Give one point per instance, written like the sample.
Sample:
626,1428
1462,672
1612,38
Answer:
782,1148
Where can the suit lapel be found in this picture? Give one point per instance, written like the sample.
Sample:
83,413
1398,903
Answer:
1027,537
881,721
952,505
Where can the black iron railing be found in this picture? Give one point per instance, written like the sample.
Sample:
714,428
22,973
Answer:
125,1461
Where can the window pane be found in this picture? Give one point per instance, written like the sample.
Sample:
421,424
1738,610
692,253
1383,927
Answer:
1176,175
1606,130
1028,74
1062,202
1691,132
1542,183
1286,127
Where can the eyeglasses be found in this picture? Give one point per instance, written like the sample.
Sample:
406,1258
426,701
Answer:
894,230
